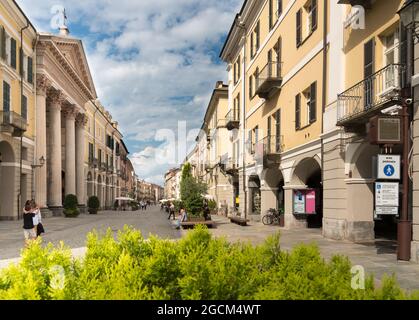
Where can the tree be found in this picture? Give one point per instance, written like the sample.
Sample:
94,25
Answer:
191,192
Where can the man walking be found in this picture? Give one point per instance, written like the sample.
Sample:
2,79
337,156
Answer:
172,211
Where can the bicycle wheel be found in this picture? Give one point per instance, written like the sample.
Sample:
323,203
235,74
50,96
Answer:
267,220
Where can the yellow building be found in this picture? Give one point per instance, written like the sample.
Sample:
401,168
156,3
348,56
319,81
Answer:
368,73
275,55
17,110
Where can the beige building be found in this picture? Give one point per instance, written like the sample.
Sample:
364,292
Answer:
103,155
275,55
211,158
172,184
17,110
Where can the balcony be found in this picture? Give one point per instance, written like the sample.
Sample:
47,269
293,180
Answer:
365,3
13,123
233,119
269,150
93,162
103,166
367,98
231,166
269,80
109,168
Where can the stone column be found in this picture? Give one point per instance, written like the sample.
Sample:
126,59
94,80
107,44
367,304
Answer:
70,113
81,122
55,188
41,142
268,199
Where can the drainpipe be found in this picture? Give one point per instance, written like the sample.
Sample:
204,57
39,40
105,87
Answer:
324,86
242,26
19,197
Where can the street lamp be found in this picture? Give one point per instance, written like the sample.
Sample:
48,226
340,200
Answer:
41,163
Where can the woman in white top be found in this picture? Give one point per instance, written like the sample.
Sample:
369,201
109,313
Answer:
37,220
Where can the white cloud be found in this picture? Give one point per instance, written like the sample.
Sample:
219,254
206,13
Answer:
152,60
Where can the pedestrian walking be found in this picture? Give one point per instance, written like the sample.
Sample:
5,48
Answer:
28,226
172,211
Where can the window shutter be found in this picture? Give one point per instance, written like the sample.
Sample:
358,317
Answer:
298,28
251,46
24,108
251,87
13,57
30,70
278,130
6,97
271,14
313,102
313,15
250,142
297,111
279,12
238,68
2,43
21,57
269,126
258,36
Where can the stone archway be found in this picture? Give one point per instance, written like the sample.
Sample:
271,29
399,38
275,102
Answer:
7,190
254,185
307,174
272,190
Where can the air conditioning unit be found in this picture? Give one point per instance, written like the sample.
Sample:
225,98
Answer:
385,130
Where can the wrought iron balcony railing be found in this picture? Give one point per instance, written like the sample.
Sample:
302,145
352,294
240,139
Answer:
382,89
93,162
269,80
12,122
272,145
103,166
233,119
231,166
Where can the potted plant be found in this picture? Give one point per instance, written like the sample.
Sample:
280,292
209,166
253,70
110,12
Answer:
71,209
94,204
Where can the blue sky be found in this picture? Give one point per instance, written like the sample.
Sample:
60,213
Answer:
154,63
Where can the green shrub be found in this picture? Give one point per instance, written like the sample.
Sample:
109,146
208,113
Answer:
70,206
212,205
94,204
195,267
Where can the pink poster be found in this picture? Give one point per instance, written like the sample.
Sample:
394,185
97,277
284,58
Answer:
311,202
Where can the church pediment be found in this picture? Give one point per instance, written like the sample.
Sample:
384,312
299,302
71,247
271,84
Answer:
73,52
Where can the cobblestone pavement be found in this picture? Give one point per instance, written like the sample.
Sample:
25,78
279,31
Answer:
73,231
377,257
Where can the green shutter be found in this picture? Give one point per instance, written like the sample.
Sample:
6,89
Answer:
313,103
30,70
13,57
297,112
24,108
2,43
299,28
314,15
6,97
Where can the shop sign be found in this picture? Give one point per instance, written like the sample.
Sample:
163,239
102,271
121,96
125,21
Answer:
299,202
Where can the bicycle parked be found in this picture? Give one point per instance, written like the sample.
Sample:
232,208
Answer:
272,216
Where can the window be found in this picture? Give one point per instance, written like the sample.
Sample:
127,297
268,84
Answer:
391,56
251,87
24,154
91,155
306,19
255,40
24,108
275,11
3,49
30,70
13,62
278,130
6,96
313,103
299,28
297,112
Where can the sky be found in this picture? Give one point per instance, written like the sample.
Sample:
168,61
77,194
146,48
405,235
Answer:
154,63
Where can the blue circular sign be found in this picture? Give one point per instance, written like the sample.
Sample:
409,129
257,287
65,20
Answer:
389,170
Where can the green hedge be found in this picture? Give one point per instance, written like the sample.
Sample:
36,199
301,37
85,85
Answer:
196,267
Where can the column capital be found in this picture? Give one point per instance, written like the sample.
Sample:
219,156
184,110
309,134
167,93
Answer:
81,120
42,84
56,98
70,111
